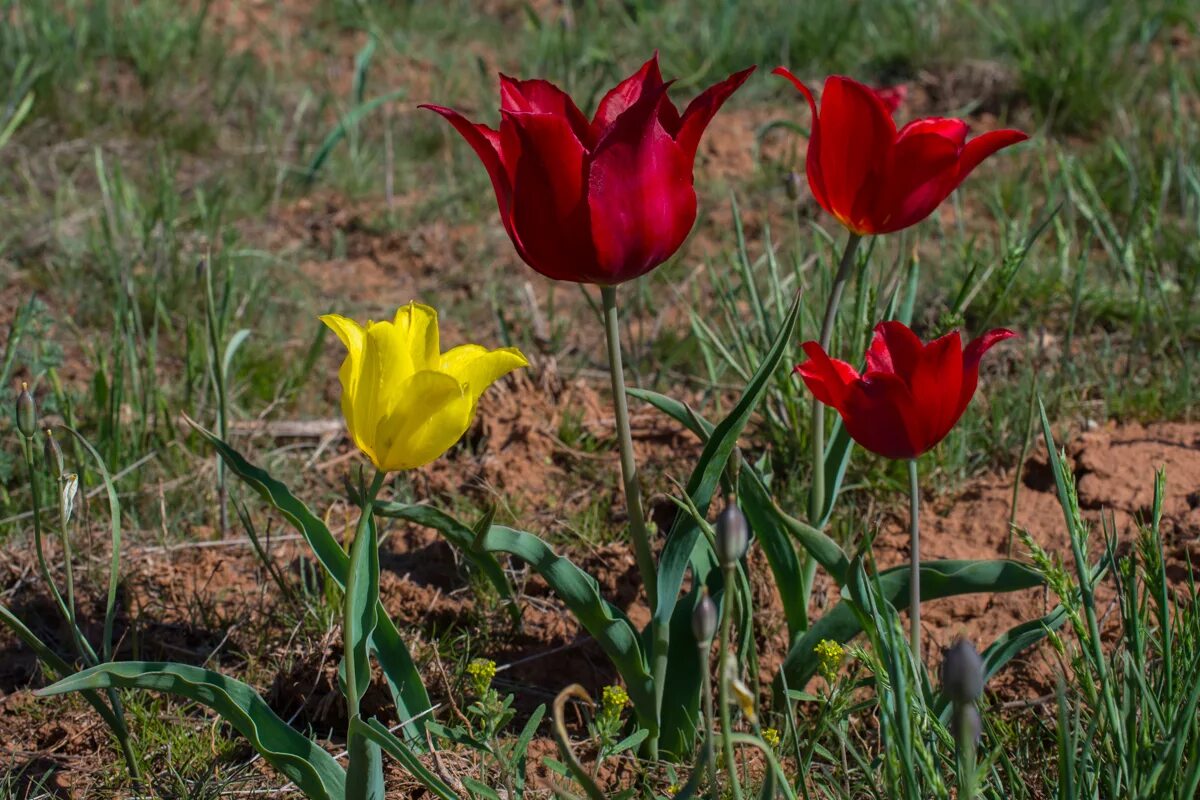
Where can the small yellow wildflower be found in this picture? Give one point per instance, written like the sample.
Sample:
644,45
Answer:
771,737
829,658
674,789
482,671
612,702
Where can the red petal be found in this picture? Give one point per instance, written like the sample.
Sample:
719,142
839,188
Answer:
935,384
703,108
550,211
857,134
894,350
971,358
486,144
880,416
985,145
893,96
626,93
923,172
827,378
816,180
640,193
542,97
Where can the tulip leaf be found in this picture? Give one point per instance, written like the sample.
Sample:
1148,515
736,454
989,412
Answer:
703,482
375,731
364,772
461,537
404,680
938,579
299,758
607,624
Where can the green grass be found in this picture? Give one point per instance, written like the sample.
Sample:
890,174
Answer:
149,143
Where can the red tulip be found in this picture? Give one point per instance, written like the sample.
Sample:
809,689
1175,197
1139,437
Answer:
876,179
911,394
602,201
893,96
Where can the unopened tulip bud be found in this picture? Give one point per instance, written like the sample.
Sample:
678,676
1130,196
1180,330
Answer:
54,455
704,618
962,673
26,413
733,535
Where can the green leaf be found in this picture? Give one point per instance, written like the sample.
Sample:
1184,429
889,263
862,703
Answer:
408,692
394,747
299,758
347,123
607,624
700,487
461,537
364,770
938,579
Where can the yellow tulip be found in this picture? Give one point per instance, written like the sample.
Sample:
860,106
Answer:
405,401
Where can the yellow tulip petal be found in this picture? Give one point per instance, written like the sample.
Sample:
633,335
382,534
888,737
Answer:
353,336
419,324
478,368
431,414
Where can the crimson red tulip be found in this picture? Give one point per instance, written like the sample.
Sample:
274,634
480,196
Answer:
893,96
600,201
876,179
911,394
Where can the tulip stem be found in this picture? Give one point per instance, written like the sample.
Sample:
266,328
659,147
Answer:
633,498
816,498
914,582
729,608
633,491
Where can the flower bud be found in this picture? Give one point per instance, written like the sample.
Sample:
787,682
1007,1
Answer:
962,673
733,535
704,618
26,413
54,455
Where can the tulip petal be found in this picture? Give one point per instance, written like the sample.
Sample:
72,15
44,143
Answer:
542,97
827,378
857,135
353,336
922,173
418,325
880,415
703,108
626,93
431,412
894,349
935,383
486,144
477,368
985,145
640,194
971,358
550,210
812,161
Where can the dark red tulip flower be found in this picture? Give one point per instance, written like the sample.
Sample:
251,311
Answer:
911,394
600,201
876,179
893,96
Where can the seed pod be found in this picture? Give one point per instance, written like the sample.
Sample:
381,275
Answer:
733,535
26,413
54,455
962,673
704,618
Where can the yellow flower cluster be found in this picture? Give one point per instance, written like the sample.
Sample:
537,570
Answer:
829,659
615,698
482,672
771,737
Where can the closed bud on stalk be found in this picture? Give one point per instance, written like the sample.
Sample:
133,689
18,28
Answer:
962,673
704,618
26,413
54,455
733,535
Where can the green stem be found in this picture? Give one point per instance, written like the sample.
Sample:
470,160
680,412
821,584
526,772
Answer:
214,343
710,751
363,757
816,498
965,742
914,581
729,609
633,503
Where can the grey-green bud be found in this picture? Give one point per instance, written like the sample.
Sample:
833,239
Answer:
962,673
26,413
54,455
704,618
733,535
